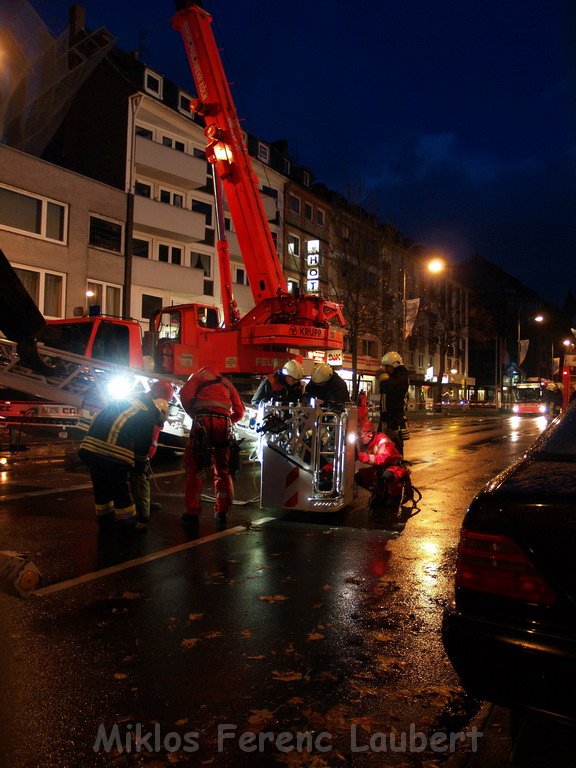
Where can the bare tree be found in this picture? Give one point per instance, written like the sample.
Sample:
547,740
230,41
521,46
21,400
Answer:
357,274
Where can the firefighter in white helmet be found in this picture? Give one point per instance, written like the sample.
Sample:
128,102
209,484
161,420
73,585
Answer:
283,386
393,391
326,386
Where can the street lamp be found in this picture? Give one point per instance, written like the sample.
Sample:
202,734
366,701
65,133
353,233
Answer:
521,357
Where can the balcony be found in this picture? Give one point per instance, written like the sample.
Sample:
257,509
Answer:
168,278
168,221
167,165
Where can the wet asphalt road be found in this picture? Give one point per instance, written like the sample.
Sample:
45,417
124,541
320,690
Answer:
300,624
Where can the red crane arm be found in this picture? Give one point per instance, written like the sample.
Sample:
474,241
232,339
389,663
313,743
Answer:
227,151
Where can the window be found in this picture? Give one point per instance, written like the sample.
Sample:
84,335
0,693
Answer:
150,305
203,261
140,248
205,208
306,178
208,317
184,105
199,153
38,216
153,83
369,348
105,234
143,189
240,276
168,141
320,217
146,133
293,245
294,204
270,191
308,211
293,287
112,343
172,198
263,152
107,297
286,166
46,288
170,254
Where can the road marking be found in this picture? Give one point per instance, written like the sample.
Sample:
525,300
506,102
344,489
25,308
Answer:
65,489
141,560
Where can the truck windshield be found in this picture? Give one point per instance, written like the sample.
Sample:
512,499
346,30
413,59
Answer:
69,337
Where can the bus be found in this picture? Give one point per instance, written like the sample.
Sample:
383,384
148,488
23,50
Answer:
529,398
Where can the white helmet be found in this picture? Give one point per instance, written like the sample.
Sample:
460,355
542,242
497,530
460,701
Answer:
293,369
162,406
322,373
392,359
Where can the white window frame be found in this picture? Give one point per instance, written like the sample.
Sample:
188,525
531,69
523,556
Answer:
166,137
244,279
42,287
103,287
320,217
293,240
150,243
263,152
93,215
172,194
306,178
43,216
298,203
170,247
184,95
151,73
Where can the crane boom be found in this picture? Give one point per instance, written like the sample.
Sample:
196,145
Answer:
227,150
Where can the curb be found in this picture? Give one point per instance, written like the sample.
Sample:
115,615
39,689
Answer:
495,745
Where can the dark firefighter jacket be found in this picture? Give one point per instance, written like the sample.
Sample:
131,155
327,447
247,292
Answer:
123,431
333,391
392,396
275,387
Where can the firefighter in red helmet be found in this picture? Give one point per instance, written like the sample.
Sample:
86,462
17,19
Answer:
382,459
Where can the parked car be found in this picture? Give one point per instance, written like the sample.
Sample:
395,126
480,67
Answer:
511,631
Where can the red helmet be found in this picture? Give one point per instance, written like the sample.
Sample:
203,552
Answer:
366,429
162,389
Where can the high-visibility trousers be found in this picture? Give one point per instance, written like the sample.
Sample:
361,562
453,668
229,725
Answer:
218,436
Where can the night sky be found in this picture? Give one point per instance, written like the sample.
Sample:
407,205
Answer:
457,116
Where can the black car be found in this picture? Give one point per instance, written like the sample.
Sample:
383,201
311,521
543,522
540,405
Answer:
511,632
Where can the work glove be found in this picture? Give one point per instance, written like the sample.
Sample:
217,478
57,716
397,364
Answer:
383,376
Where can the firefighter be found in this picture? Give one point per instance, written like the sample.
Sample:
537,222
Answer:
393,391
326,386
385,471
283,386
214,405
117,444
140,481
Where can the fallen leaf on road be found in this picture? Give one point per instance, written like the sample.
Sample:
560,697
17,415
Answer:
315,636
295,701
182,721
327,586
246,633
189,642
273,598
131,595
255,658
212,635
120,676
390,662
195,616
286,677
262,567
259,718
382,637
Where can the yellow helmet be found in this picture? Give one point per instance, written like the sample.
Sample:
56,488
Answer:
393,359
322,373
162,406
293,369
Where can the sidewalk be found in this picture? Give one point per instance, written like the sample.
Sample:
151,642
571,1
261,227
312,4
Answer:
517,741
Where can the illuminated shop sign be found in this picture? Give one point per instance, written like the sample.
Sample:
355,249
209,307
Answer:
313,266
